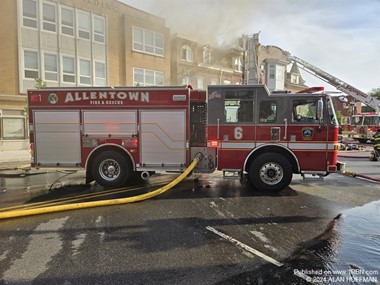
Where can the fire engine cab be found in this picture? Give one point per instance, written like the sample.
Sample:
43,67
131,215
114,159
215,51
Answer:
115,133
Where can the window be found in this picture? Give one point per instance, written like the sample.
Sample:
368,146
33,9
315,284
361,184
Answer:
51,67
272,71
357,120
159,78
214,82
148,41
138,39
13,128
85,72
49,17
238,106
238,64
67,21
371,120
30,64
146,77
268,112
200,82
99,29
185,79
100,74
187,53
305,111
206,54
84,23
29,13
294,78
159,44
68,74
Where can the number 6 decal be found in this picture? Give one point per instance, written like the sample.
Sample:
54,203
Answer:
238,133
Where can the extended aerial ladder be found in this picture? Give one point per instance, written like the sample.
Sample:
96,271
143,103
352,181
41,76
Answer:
338,84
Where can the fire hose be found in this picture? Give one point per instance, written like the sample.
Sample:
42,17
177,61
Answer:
110,202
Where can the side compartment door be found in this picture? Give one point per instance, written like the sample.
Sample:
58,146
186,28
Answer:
163,138
57,138
109,123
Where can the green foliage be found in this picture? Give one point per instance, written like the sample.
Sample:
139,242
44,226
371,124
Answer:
39,83
375,93
339,116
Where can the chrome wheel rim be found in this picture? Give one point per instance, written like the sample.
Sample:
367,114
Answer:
109,169
271,173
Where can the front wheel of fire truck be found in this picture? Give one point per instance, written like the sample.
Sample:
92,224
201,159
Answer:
111,169
270,172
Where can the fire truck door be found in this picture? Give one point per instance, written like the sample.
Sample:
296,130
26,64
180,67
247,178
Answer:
163,138
57,138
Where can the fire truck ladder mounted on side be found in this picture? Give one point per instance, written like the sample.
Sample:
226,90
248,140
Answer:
338,83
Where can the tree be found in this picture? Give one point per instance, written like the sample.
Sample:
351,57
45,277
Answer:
375,93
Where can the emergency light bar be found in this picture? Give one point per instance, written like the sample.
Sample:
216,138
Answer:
312,89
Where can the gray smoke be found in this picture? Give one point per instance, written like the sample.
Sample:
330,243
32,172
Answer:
216,22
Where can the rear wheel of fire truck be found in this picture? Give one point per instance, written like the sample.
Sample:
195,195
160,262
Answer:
111,169
270,172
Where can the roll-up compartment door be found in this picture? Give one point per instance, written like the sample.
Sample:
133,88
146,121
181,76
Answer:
57,138
112,123
163,137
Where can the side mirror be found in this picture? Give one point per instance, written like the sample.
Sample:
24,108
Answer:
320,110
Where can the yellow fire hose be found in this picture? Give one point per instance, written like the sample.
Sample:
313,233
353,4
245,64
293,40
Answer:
111,202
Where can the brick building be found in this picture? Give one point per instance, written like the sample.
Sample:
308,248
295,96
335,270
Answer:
201,65
74,43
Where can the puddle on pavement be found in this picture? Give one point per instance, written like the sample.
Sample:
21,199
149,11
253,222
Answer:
347,253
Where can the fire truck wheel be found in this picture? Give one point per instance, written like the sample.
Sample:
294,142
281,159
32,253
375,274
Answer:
270,172
111,169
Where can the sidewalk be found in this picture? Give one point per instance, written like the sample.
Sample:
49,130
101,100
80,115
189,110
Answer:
14,159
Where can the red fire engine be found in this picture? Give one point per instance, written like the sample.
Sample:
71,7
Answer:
114,133
365,126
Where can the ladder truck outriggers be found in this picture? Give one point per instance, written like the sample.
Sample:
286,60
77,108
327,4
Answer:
367,128
241,130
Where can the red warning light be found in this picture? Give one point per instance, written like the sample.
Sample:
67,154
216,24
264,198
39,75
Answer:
214,143
35,98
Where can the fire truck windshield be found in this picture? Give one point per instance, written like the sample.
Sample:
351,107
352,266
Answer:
331,112
371,120
356,120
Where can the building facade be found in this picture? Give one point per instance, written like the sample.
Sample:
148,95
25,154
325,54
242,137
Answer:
273,65
200,65
77,43
73,43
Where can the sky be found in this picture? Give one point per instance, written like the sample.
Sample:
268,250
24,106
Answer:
341,37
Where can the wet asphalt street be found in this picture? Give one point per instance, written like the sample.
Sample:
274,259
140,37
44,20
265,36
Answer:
204,231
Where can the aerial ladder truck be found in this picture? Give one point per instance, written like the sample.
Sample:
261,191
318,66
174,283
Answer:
362,132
